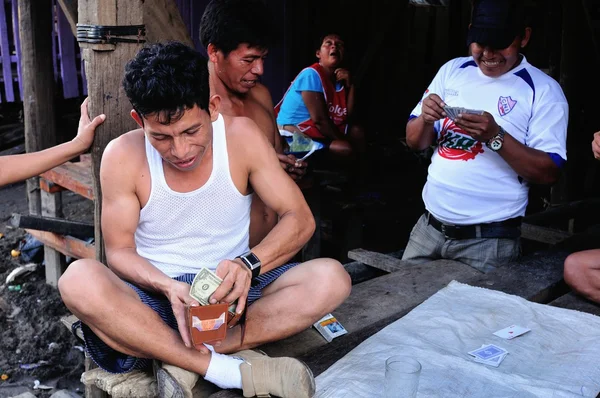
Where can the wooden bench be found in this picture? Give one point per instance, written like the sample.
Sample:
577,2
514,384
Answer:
71,176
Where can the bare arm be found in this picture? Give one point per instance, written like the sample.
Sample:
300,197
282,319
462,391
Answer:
420,132
294,167
120,216
343,76
15,168
317,108
533,165
296,223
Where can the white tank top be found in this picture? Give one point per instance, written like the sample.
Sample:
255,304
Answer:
180,233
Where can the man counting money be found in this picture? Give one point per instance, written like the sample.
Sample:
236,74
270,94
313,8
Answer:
478,181
176,197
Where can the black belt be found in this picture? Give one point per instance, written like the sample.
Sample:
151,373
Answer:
510,229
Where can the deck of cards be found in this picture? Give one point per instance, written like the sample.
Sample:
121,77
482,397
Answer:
329,327
489,354
453,112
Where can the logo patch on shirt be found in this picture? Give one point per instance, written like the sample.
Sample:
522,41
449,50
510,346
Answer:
450,92
505,105
455,144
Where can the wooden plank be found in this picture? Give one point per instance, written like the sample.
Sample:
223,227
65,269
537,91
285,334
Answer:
543,234
72,177
55,262
68,321
572,301
104,71
60,226
67,245
163,21
5,57
384,262
35,31
371,306
69,9
537,277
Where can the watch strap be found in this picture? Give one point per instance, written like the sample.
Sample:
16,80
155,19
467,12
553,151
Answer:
253,266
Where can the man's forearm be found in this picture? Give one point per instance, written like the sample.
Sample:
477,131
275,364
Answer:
419,134
130,266
329,129
533,165
285,240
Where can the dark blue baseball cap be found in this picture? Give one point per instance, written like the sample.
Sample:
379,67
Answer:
496,23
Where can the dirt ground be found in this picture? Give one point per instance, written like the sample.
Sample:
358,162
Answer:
34,344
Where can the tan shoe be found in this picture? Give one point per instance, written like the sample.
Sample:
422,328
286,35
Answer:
284,377
175,382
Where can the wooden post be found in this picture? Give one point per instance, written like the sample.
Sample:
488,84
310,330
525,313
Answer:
35,34
104,67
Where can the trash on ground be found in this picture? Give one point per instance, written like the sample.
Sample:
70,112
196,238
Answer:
23,269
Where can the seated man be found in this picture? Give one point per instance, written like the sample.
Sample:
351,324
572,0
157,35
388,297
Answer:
582,269
176,197
512,133
320,101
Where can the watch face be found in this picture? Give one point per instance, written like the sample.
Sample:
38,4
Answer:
496,145
252,259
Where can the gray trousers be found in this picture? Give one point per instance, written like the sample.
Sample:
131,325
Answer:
484,254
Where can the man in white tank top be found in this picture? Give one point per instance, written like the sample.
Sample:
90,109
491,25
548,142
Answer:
176,197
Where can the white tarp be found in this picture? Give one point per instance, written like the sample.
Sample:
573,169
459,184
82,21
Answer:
560,357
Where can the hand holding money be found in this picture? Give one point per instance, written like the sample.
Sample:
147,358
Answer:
204,285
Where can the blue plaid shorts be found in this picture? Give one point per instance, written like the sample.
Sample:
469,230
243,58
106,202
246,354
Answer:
114,361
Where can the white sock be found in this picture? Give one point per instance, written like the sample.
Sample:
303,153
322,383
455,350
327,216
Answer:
224,371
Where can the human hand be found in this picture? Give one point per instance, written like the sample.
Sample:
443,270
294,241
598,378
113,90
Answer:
295,168
178,294
432,109
87,128
235,286
481,127
342,75
596,145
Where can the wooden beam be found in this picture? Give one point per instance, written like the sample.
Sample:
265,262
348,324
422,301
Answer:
76,177
163,22
67,245
384,262
572,301
543,234
52,224
69,8
35,35
104,71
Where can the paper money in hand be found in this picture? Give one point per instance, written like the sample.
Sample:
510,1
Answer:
300,143
204,285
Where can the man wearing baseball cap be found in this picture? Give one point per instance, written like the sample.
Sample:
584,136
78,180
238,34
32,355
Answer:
499,124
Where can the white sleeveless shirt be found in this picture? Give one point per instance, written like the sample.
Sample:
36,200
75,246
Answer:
179,232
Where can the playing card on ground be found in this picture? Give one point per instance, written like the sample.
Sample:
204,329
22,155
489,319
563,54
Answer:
487,351
495,361
511,332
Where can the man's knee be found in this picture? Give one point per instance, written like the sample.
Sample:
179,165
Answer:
334,280
574,269
78,282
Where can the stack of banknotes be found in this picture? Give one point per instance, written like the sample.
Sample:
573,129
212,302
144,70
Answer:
204,285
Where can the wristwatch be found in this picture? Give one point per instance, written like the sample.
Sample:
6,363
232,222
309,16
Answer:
495,143
252,262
